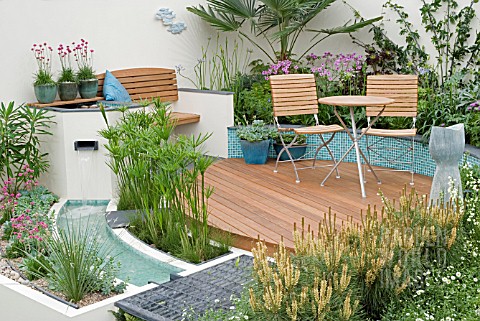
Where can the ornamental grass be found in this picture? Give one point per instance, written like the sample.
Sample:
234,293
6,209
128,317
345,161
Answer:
353,272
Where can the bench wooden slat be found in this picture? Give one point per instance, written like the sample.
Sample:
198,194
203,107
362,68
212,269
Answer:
184,118
58,103
163,96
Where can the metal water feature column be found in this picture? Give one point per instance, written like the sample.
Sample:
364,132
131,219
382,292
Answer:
446,148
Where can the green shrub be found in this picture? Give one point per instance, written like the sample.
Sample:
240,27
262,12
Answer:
358,271
256,132
21,131
255,103
78,264
163,177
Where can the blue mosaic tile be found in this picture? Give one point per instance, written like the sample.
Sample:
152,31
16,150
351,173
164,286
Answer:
423,165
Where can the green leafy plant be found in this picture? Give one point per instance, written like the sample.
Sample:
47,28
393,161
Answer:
278,22
84,58
121,315
34,266
43,56
66,74
163,178
256,132
288,138
217,70
355,272
78,264
21,131
254,103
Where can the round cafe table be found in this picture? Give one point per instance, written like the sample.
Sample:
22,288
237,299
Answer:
353,102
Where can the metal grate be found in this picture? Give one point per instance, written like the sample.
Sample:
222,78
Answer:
211,288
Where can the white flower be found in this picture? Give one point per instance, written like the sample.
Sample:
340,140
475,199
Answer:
475,280
458,274
420,292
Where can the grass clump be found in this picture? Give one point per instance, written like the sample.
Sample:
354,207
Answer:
77,264
163,178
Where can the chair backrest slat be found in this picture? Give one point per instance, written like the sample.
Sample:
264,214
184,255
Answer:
294,95
402,88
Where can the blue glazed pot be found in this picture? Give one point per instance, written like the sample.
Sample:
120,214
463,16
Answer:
88,88
45,94
296,151
256,152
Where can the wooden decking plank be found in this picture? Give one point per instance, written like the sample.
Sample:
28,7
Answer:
287,186
253,201
260,216
273,196
277,215
229,206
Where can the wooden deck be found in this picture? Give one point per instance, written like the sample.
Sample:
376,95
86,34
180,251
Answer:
252,201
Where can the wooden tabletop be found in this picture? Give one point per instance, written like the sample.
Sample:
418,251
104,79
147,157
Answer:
355,101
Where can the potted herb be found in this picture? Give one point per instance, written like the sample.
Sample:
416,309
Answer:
297,150
87,81
255,142
44,86
67,84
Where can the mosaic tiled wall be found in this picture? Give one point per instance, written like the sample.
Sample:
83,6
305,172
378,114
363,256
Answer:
423,162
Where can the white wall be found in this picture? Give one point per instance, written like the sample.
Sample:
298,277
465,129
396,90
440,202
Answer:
124,33
216,114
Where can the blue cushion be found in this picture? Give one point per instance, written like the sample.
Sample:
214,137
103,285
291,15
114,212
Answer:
113,90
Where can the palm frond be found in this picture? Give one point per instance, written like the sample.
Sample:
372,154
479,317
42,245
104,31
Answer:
282,8
241,8
346,28
308,10
221,20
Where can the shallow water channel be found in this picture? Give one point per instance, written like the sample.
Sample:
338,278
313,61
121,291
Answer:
138,268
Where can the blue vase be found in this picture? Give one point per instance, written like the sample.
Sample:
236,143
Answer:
88,88
256,152
45,94
296,151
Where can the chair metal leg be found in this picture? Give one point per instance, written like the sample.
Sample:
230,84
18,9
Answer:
285,150
331,155
412,163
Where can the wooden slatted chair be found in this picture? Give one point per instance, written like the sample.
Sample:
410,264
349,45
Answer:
404,89
297,95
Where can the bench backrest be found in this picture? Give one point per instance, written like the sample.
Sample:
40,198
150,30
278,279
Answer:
145,83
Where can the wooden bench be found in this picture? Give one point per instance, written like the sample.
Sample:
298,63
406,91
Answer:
141,84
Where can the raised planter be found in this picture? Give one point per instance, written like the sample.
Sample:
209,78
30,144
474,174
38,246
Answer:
424,164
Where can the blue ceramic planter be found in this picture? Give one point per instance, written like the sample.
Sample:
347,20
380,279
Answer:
88,88
296,151
45,94
256,152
